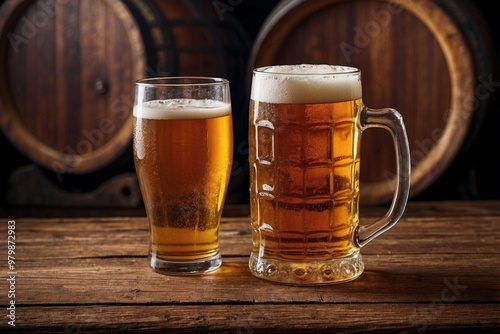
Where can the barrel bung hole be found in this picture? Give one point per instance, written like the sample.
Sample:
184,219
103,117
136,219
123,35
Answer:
126,191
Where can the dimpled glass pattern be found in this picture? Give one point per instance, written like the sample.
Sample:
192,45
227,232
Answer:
305,125
305,198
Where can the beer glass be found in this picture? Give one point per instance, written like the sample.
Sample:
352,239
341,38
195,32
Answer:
182,143
305,127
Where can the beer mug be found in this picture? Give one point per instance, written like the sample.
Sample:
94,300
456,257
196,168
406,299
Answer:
183,144
305,127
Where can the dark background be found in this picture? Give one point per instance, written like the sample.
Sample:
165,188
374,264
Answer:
475,173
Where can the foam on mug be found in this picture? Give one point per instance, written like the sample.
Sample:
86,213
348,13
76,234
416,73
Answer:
306,84
182,109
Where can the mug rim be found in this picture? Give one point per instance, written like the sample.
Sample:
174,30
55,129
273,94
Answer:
343,70
181,81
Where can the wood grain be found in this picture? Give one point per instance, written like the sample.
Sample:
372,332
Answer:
323,317
414,56
387,278
434,272
52,108
67,83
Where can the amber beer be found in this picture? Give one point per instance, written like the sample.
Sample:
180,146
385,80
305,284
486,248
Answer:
304,159
305,128
183,155
308,198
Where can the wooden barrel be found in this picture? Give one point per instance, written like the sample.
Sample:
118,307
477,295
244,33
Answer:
68,70
429,59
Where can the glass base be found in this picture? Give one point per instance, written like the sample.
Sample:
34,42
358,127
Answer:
185,267
308,273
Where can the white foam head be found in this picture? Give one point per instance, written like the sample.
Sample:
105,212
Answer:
182,109
306,83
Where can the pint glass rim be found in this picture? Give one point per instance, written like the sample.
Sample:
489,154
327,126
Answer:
346,70
181,81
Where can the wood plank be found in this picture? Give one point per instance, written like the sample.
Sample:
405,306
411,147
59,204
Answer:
279,318
104,237
430,273
388,278
453,208
80,247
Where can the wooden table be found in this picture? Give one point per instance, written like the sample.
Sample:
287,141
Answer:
438,270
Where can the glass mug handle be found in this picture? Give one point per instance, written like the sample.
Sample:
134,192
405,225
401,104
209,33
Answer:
392,121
